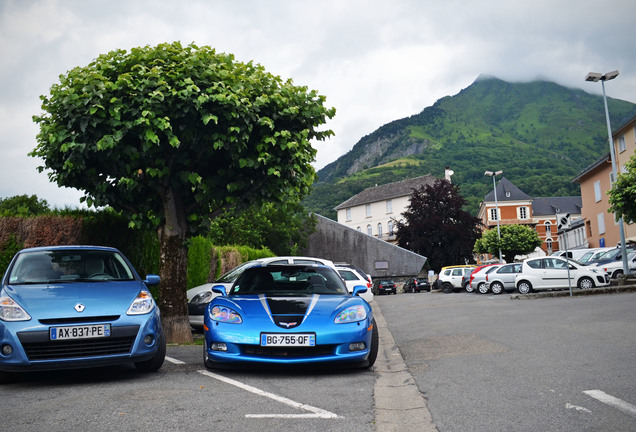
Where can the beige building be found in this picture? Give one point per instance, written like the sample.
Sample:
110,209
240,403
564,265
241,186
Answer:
375,210
601,227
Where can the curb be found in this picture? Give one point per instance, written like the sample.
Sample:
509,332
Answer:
576,292
399,405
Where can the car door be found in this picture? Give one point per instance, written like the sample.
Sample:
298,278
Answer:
456,277
507,274
554,273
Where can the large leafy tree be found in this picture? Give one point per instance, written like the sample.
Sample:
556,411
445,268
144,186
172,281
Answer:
172,135
515,240
436,226
622,196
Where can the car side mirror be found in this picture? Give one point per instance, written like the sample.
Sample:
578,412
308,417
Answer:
152,279
359,289
220,289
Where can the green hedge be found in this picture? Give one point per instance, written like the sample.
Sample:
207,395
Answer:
206,262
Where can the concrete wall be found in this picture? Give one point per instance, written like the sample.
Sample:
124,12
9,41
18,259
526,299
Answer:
339,243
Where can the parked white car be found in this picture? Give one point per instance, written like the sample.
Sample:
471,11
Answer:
199,296
615,268
552,273
352,278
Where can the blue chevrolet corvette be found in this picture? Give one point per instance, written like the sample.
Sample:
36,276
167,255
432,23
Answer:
77,306
289,314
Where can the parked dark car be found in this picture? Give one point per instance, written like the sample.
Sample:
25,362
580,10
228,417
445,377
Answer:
417,285
387,287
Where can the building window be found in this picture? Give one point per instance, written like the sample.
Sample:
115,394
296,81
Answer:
368,210
523,212
390,228
597,190
548,228
379,230
494,214
369,230
348,212
389,206
621,144
548,245
359,229
601,223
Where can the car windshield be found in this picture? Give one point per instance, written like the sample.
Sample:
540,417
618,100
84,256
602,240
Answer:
233,274
289,280
611,254
68,265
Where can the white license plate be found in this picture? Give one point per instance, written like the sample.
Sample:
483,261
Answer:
277,339
80,332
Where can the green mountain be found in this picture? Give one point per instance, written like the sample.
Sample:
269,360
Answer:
540,134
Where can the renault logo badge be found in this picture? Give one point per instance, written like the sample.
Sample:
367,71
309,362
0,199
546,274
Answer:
80,307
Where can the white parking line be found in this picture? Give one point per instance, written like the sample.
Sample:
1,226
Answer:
612,401
174,360
316,412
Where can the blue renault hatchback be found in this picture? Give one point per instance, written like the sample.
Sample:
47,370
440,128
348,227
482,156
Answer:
77,306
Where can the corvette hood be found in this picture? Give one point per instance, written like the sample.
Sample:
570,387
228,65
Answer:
290,312
59,300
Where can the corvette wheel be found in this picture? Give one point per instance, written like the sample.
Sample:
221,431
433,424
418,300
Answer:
207,362
375,342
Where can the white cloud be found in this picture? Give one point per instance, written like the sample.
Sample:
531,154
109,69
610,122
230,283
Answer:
375,61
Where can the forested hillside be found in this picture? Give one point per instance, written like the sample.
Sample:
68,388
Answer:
540,134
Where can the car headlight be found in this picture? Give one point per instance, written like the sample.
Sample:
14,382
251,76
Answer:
11,311
143,304
225,314
351,314
202,298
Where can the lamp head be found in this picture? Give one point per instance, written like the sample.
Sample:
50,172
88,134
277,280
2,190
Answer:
593,76
610,75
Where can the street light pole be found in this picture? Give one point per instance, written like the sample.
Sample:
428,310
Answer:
494,174
595,77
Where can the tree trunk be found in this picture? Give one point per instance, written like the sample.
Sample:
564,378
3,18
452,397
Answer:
173,265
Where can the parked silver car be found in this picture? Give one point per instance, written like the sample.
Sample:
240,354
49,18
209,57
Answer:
503,278
478,279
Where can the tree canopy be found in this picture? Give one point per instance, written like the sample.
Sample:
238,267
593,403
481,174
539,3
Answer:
23,205
515,240
436,227
622,196
173,135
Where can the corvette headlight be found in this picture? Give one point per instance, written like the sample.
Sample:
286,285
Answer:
351,314
11,311
142,304
202,298
225,314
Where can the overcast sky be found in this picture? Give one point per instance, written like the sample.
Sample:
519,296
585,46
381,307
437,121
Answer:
375,61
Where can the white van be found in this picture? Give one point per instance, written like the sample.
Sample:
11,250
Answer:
573,254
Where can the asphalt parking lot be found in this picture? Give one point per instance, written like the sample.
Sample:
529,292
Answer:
485,362
448,362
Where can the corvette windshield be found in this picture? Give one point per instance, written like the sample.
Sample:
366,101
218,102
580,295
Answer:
68,265
274,280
